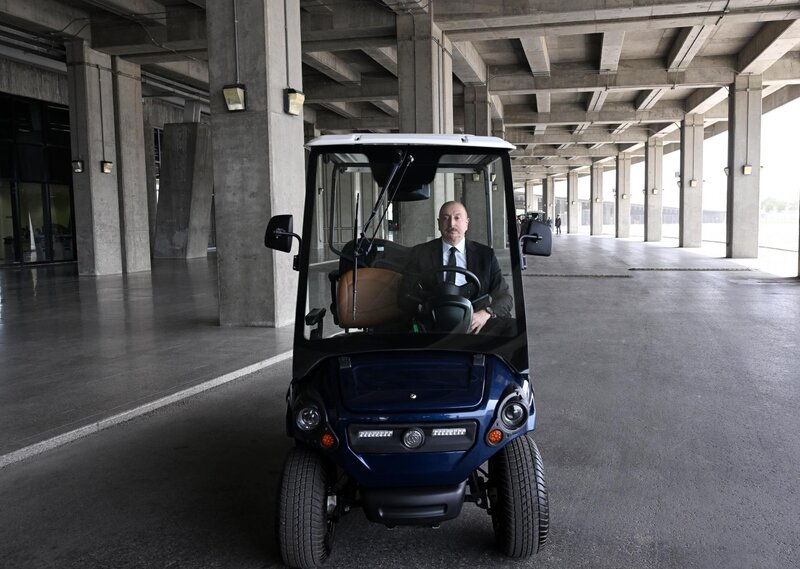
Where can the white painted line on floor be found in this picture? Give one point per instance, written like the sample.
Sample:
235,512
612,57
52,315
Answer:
64,438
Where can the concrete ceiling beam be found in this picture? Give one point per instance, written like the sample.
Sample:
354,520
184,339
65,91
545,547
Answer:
771,43
610,51
468,65
687,45
349,38
48,17
391,108
703,100
508,20
535,48
332,66
386,57
517,116
648,99
371,89
542,150
635,75
596,101
318,7
330,121
590,136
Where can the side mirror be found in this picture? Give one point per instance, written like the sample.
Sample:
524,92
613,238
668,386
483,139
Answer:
538,239
279,233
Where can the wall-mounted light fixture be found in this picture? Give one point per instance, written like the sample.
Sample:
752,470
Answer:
747,169
655,191
492,176
692,183
77,166
624,196
597,200
573,202
494,187
235,97
106,167
476,177
293,101
726,170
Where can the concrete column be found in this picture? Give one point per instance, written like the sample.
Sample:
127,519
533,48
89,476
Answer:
183,219
573,205
425,80
91,114
653,172
258,157
744,166
596,193
475,200
549,196
131,171
477,112
623,199
530,198
499,128
690,212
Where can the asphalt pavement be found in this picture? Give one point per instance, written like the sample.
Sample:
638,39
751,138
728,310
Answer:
668,428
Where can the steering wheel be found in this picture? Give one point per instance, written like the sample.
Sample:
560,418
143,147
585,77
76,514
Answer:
448,307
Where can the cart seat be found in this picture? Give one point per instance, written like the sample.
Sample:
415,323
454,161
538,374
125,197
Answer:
376,300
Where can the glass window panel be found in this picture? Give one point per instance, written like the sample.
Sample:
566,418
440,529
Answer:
6,225
61,223
31,220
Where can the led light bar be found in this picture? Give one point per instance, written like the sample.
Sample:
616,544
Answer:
376,434
451,432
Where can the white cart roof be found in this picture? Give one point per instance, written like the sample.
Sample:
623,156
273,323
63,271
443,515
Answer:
458,140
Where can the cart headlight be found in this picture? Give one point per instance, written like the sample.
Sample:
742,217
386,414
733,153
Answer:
514,415
308,418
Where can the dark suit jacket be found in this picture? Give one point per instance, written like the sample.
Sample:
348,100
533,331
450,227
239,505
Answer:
481,260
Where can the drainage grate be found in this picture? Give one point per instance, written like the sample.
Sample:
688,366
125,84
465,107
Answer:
708,269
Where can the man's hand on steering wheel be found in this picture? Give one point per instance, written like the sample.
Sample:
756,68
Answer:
479,319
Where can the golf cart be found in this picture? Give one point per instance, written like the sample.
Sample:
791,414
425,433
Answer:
395,406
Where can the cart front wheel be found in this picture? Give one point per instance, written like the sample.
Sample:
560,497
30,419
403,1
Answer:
305,528
518,499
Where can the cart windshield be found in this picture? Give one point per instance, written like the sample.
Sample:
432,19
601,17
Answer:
379,228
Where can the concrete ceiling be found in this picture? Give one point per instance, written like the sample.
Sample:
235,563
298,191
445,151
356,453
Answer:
576,81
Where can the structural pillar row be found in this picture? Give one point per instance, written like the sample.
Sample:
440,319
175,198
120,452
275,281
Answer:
653,184
690,212
573,205
93,141
744,166
425,96
623,197
596,197
258,156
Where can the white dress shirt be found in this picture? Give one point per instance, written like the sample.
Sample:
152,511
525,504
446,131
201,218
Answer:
461,258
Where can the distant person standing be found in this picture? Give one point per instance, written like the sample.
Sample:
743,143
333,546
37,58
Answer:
558,224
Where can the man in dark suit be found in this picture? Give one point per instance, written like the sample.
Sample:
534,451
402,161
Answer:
426,258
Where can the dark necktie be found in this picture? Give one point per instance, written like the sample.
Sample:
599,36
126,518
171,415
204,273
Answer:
450,277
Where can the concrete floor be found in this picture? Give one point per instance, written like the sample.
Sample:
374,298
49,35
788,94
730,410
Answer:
668,429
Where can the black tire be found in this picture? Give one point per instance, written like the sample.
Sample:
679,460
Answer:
518,499
304,528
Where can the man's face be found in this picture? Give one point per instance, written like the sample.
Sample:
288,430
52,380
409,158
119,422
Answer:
453,223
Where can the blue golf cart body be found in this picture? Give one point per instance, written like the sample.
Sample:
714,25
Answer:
395,405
